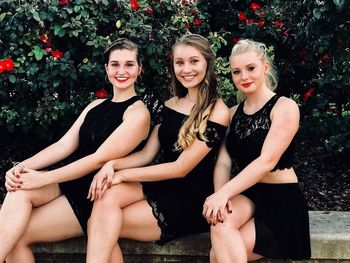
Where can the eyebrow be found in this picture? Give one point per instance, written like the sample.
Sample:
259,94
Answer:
190,57
248,65
128,61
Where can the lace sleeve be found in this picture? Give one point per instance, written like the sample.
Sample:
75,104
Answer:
155,107
214,134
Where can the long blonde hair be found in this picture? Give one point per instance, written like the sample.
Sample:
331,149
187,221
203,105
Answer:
247,45
196,123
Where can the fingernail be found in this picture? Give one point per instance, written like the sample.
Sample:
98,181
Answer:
17,176
222,221
230,211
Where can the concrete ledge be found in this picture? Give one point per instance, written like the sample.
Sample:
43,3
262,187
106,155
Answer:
330,239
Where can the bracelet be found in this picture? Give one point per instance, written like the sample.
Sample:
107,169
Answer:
15,164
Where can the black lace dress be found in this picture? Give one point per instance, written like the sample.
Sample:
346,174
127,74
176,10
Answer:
281,216
98,125
177,203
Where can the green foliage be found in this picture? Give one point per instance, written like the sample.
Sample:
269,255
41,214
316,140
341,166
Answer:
57,50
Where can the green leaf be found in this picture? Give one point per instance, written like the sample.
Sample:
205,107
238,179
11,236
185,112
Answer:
38,53
12,78
36,16
2,16
317,13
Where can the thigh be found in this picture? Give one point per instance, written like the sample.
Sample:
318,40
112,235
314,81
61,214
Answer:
51,222
242,210
248,234
139,222
36,197
122,195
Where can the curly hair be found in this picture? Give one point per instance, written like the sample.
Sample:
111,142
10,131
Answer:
196,123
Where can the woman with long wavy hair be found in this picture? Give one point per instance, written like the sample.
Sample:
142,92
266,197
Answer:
164,201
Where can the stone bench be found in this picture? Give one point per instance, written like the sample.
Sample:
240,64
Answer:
330,242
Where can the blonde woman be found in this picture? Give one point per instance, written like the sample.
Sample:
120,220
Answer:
261,211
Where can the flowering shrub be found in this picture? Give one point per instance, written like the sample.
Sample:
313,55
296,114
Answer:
51,60
51,54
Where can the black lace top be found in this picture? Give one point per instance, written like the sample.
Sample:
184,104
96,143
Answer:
247,135
177,203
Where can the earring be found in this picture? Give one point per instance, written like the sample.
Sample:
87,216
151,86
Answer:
139,79
107,80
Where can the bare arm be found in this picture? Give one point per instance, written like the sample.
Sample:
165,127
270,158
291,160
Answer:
125,138
187,160
285,123
51,154
62,148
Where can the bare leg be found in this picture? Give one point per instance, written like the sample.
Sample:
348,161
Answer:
227,242
106,220
122,212
15,213
248,234
54,221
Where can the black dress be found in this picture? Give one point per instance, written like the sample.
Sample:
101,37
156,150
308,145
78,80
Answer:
281,216
177,203
98,125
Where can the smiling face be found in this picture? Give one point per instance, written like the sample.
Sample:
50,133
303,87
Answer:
189,65
122,68
248,72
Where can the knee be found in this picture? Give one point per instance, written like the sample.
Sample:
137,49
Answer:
220,229
20,196
108,202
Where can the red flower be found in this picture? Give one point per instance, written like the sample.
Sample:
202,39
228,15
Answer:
261,23
254,6
57,54
48,43
2,67
43,38
6,65
234,40
197,22
64,2
149,11
324,58
278,23
151,37
48,49
187,26
185,2
134,5
194,11
302,52
242,16
308,94
249,21
101,93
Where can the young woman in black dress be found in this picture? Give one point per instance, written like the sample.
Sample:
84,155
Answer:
167,204
261,211
46,206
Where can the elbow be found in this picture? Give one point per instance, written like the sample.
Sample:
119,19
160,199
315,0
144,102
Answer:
267,162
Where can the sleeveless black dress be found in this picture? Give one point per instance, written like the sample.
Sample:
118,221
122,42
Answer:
98,125
281,216
177,203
